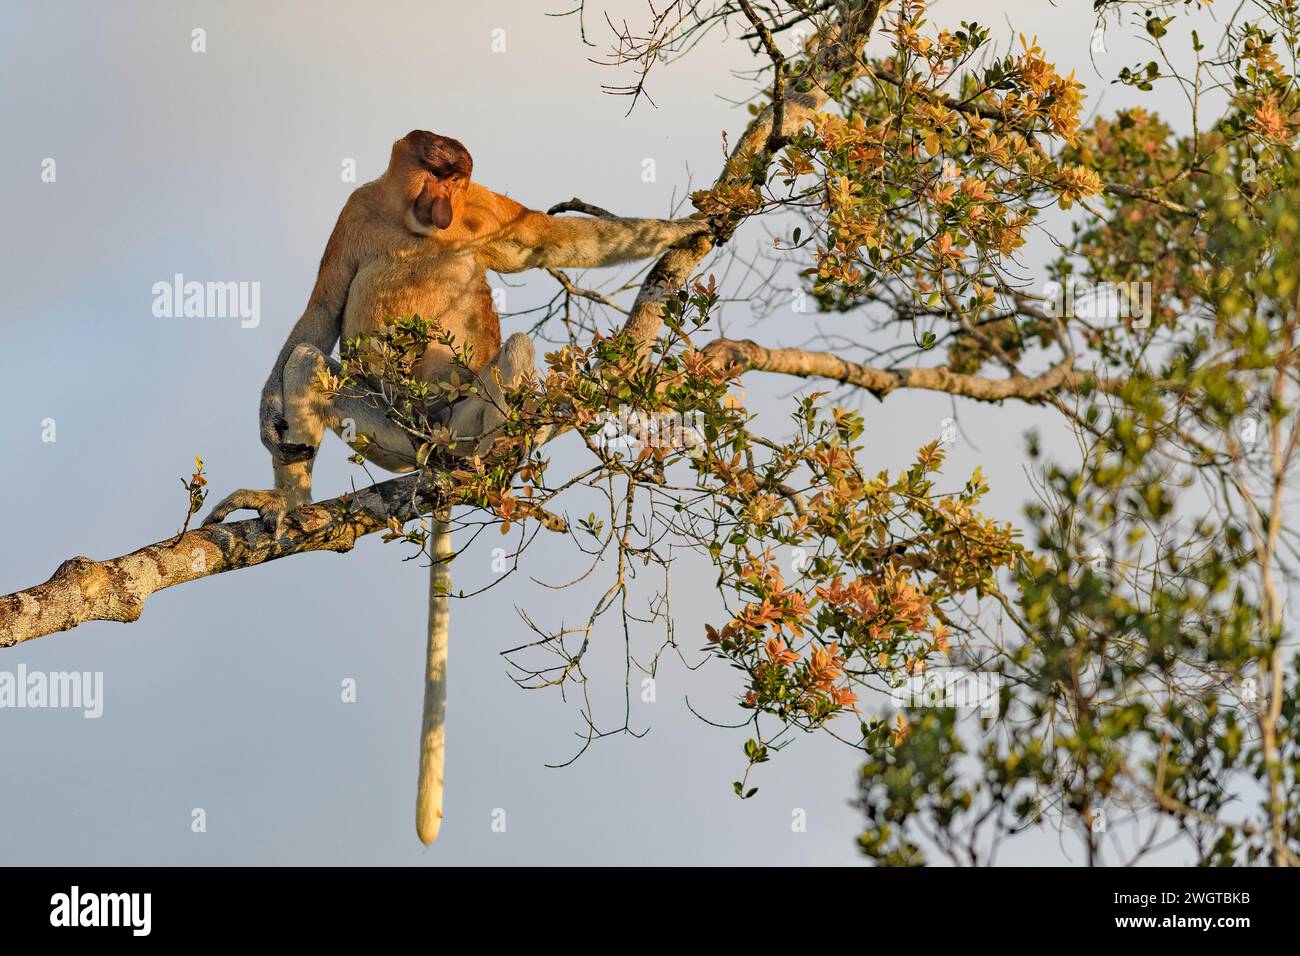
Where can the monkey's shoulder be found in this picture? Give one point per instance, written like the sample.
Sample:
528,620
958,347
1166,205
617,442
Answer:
488,212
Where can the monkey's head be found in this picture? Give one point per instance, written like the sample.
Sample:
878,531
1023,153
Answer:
430,173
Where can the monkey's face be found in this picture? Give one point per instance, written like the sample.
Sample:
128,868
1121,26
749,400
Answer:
435,204
432,173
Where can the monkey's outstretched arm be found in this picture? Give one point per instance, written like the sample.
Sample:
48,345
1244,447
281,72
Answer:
532,240
320,325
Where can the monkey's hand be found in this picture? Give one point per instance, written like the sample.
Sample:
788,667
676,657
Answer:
273,426
721,225
272,507
271,418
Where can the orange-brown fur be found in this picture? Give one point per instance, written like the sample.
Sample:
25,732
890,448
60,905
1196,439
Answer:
419,240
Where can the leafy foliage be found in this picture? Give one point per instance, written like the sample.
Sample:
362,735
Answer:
1133,629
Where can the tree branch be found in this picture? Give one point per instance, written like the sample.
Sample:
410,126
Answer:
749,355
1147,195
776,137
840,55
83,589
115,590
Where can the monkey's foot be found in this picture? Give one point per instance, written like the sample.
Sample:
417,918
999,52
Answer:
271,506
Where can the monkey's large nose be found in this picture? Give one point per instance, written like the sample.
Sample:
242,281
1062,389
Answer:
433,208
442,212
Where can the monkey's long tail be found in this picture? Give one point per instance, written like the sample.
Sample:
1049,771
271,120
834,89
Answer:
433,732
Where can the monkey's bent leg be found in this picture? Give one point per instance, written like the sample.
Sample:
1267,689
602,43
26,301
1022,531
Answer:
354,416
475,420
308,411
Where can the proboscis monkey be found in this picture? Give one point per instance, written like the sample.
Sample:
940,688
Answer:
420,240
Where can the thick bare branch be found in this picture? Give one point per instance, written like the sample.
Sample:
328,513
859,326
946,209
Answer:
83,589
